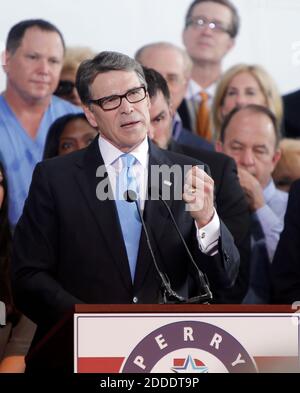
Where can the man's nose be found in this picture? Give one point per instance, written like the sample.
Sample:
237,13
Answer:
126,106
247,158
206,30
43,66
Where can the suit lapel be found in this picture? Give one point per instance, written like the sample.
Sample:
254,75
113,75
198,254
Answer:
104,212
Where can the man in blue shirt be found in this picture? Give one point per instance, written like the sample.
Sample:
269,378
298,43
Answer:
33,61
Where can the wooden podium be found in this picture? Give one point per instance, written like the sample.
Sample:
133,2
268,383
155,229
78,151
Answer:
171,338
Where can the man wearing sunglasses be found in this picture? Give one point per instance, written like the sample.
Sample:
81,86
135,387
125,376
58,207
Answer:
82,248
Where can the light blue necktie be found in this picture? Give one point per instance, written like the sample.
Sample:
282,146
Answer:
127,211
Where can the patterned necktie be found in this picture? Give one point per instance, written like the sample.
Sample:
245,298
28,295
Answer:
127,211
203,119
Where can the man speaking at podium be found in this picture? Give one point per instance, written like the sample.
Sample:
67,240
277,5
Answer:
79,241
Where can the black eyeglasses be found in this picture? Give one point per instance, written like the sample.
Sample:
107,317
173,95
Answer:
201,22
113,102
64,88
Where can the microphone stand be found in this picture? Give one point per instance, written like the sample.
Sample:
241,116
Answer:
169,295
131,196
207,295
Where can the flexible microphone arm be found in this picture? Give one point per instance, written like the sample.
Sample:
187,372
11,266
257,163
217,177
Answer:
207,295
131,196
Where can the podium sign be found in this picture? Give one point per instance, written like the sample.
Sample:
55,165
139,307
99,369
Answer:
187,342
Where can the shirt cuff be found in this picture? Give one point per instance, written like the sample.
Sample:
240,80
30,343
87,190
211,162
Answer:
208,236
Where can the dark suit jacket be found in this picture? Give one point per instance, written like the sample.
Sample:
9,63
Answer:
184,114
232,208
68,245
285,269
186,137
291,114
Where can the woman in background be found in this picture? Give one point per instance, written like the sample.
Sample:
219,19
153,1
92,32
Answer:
241,85
67,134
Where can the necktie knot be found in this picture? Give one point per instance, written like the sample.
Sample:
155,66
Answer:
128,160
203,95
128,181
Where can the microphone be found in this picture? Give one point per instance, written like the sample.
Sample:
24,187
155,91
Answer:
203,281
131,196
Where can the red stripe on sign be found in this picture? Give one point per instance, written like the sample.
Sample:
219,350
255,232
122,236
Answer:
99,365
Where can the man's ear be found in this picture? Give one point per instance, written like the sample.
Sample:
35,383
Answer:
276,157
5,57
90,116
219,146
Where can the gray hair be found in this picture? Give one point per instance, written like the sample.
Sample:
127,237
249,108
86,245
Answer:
255,109
167,45
100,64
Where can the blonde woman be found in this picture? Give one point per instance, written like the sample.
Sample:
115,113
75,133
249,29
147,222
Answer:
241,85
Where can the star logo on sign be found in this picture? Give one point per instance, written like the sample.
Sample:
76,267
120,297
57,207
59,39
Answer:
189,365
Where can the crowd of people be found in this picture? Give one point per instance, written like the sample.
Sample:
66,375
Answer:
82,132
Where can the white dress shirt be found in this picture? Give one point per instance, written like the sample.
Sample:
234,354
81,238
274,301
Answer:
194,89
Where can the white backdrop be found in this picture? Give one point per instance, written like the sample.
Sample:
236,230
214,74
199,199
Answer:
270,33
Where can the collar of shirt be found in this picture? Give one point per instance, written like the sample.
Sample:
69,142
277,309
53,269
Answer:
111,155
193,91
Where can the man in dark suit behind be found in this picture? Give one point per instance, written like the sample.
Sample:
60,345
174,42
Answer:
285,269
291,124
69,246
230,200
